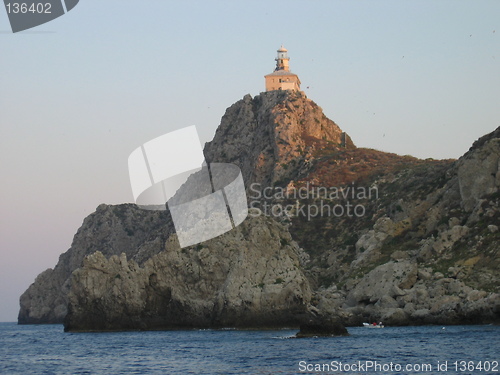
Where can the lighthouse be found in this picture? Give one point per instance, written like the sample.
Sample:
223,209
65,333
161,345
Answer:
282,78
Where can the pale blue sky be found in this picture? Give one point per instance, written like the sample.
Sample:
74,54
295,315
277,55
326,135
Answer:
77,95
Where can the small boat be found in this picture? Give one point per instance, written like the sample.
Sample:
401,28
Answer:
373,325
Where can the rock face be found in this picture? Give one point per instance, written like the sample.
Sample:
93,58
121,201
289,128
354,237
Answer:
424,250
45,301
398,294
249,277
274,128
479,170
273,136
427,251
112,230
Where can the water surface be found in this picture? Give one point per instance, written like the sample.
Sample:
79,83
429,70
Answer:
46,349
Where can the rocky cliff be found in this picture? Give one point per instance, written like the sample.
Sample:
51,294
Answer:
426,250
400,239
273,136
111,230
249,277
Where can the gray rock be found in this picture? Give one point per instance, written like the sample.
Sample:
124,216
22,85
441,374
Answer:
45,300
321,326
478,170
453,222
283,139
387,302
111,230
409,309
395,317
400,255
445,303
423,274
386,279
244,278
449,238
420,316
438,275
493,228
266,134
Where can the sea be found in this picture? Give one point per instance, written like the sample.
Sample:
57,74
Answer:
47,349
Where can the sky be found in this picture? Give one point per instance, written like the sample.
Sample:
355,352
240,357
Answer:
79,94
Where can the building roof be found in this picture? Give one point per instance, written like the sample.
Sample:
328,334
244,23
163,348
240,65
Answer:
282,49
281,73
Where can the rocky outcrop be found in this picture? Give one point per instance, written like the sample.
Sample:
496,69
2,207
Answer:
426,252
479,170
384,283
318,325
45,301
248,278
262,135
111,230
425,249
273,136
398,293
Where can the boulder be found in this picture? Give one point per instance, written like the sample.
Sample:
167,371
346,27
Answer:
386,279
321,326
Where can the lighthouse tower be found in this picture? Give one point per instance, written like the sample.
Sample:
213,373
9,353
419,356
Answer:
282,78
